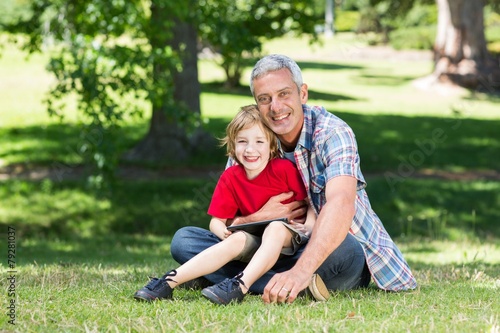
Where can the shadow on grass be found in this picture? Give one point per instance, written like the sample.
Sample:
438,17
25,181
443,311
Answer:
244,91
432,208
304,65
437,208
105,250
382,80
386,143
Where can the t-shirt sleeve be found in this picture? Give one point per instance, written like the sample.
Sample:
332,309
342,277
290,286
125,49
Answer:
296,184
223,204
292,177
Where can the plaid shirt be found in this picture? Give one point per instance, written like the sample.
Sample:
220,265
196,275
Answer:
326,149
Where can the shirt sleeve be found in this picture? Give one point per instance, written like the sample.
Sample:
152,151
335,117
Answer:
223,204
340,156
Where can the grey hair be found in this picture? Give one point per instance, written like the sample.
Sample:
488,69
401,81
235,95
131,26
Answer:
273,63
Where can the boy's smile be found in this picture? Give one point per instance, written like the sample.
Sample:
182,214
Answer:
252,150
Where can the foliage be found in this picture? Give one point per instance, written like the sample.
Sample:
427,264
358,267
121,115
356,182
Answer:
236,29
105,55
346,20
12,11
390,15
416,38
112,56
385,16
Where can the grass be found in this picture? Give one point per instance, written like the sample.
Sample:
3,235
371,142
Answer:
81,254
85,284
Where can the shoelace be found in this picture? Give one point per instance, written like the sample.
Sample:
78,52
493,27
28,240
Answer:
227,284
157,283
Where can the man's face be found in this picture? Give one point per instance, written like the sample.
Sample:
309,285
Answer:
280,104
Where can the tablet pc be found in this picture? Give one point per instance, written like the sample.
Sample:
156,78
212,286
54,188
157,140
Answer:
255,228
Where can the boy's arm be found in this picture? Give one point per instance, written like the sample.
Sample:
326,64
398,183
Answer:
310,220
218,227
308,225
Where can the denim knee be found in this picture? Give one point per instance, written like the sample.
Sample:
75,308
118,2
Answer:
189,241
346,267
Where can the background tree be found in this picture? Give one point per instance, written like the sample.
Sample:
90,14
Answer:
460,53
113,56
235,30
173,133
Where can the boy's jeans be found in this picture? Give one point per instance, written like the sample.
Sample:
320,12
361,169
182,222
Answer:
344,269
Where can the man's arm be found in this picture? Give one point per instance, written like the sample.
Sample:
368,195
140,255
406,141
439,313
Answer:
329,231
275,209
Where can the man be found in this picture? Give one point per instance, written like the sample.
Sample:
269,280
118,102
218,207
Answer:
348,245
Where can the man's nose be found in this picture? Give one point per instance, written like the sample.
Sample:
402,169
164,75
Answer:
275,105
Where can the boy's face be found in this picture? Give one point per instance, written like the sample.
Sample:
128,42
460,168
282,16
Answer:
252,149
280,104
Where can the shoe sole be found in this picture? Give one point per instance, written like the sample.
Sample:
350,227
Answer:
318,289
145,297
212,297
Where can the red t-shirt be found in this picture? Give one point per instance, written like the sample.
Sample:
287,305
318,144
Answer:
236,195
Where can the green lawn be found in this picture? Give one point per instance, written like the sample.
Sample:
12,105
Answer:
86,285
432,170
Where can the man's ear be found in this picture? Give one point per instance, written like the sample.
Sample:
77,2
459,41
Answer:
304,94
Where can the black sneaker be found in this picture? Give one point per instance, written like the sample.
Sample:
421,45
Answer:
156,289
225,292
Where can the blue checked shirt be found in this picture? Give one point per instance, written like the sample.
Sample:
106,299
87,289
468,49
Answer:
326,149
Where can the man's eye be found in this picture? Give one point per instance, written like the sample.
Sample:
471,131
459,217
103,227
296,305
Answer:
264,100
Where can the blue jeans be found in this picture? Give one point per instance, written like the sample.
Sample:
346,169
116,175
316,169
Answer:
344,269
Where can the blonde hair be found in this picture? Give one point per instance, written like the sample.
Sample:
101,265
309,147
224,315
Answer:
247,116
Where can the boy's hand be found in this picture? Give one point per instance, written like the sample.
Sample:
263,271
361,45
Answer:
227,233
300,227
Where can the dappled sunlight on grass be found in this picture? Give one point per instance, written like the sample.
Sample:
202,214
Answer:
87,283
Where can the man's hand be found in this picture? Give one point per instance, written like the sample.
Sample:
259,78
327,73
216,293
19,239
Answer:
274,209
284,287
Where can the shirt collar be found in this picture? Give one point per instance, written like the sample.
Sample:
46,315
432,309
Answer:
307,128
305,137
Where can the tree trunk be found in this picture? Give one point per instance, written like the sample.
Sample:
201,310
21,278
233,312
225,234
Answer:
167,138
460,52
